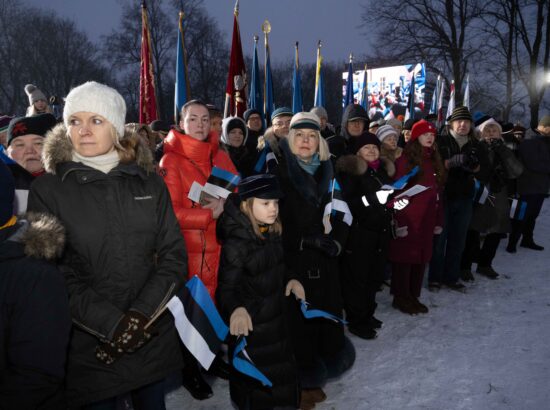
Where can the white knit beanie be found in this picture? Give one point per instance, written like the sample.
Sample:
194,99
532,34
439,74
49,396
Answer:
98,99
490,121
385,131
34,94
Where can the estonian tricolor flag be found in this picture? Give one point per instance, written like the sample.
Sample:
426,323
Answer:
221,183
517,209
199,325
244,364
336,208
267,162
481,193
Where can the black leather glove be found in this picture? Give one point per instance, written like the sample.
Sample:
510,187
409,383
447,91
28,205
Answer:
456,161
324,243
129,335
471,159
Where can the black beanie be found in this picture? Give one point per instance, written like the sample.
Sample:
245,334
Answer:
38,125
364,139
236,123
249,112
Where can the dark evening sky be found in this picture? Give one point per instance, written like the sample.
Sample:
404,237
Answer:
307,21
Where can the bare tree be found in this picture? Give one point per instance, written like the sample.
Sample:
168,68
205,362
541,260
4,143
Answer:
54,55
437,32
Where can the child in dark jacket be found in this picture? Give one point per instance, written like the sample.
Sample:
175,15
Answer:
252,284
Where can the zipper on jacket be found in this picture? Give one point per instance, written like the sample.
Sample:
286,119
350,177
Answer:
87,329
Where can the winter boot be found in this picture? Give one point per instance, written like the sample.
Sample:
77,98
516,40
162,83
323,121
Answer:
404,304
530,244
466,275
456,286
434,286
307,401
420,307
363,331
375,323
487,271
195,383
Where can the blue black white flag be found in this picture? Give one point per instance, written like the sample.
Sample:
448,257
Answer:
244,364
267,161
481,193
517,209
221,183
337,208
317,313
199,325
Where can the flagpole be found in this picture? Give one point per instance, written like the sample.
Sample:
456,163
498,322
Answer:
266,28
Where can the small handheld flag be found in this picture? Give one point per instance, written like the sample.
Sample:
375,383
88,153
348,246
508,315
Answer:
336,208
517,209
221,183
481,193
199,325
267,161
243,363
401,182
317,313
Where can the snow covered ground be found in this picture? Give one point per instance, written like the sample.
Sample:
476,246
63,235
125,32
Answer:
486,349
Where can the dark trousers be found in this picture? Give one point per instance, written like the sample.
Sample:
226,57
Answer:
149,397
448,246
407,279
483,254
527,226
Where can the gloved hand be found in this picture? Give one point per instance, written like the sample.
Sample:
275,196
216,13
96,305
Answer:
471,159
398,204
108,352
402,231
383,195
324,243
295,287
240,322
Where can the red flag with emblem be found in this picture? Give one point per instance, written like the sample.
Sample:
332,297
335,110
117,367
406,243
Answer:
235,90
147,98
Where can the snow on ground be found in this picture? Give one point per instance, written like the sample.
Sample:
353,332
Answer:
486,349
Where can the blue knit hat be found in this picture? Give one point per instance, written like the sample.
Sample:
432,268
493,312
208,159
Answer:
7,194
281,111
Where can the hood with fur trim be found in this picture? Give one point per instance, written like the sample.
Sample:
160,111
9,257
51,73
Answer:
41,235
355,165
58,149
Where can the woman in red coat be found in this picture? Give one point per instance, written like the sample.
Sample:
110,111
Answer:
190,153
417,223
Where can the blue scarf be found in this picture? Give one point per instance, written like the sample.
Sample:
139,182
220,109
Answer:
312,166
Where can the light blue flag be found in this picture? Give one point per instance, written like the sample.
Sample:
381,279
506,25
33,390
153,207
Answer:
256,100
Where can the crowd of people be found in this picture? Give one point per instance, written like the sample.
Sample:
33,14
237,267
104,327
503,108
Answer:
102,222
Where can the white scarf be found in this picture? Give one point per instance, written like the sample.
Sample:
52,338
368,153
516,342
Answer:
103,163
461,140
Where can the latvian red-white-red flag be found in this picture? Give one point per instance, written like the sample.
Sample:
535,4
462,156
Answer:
235,90
147,98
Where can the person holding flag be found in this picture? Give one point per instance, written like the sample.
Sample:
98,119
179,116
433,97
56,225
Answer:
312,248
191,153
253,283
124,257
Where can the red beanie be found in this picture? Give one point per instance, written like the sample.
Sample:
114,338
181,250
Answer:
422,127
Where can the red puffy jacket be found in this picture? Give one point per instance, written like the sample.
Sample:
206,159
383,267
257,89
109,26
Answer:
186,160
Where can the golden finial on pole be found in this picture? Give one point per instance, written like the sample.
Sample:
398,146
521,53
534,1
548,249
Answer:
236,11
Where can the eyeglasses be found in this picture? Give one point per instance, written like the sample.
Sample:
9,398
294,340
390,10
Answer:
281,123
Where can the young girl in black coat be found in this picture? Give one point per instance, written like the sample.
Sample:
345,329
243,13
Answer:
252,284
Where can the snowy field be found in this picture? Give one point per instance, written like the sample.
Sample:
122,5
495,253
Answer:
486,349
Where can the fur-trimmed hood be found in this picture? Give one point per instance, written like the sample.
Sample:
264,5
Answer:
273,141
355,165
41,235
58,149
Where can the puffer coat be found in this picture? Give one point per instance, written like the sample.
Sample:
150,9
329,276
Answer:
253,275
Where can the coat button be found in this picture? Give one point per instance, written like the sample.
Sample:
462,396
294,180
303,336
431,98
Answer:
84,178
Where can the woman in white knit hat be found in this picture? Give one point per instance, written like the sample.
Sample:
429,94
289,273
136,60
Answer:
38,103
125,257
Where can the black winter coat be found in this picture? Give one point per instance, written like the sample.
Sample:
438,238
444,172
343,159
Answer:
460,182
34,316
301,213
124,251
535,155
253,275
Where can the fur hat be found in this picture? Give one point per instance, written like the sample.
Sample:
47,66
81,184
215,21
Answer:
281,111
264,186
422,127
98,99
305,120
489,121
385,131
38,125
365,138
7,194
460,113
34,94
319,112
545,121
